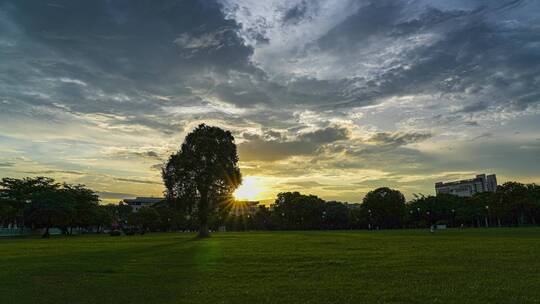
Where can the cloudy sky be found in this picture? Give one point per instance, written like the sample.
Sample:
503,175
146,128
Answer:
328,97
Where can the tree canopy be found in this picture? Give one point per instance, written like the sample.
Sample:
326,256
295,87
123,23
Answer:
385,207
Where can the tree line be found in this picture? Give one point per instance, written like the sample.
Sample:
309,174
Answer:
513,204
42,203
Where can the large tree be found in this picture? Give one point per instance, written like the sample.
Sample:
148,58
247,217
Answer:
203,173
385,207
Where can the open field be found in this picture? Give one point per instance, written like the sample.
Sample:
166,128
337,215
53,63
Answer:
453,266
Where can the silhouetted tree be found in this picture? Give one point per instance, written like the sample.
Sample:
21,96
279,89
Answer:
385,207
534,198
516,198
262,219
297,211
203,173
103,217
15,194
85,203
145,219
335,216
48,206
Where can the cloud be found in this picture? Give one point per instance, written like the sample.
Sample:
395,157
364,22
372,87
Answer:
304,184
297,13
483,135
326,135
115,195
6,164
262,150
140,153
397,138
276,147
48,172
137,181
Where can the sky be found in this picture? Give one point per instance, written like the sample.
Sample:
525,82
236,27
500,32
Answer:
333,98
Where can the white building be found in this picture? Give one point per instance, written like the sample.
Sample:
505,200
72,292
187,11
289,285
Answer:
140,202
244,208
468,187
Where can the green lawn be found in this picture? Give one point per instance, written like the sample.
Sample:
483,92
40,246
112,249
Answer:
453,266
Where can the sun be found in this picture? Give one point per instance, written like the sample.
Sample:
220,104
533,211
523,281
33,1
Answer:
249,189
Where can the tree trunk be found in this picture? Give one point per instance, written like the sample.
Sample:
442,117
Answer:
203,231
204,209
46,233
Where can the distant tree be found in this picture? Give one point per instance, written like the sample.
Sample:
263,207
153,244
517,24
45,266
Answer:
146,219
203,173
358,219
9,211
85,203
513,196
335,216
103,218
43,203
293,210
263,218
121,213
534,198
424,211
385,207
14,196
48,206
482,208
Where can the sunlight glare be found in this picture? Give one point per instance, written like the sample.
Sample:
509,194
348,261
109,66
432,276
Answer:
249,189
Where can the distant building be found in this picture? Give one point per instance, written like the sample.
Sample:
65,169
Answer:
241,208
353,205
468,187
140,202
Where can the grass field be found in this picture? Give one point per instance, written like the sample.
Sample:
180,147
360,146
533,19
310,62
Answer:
453,266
